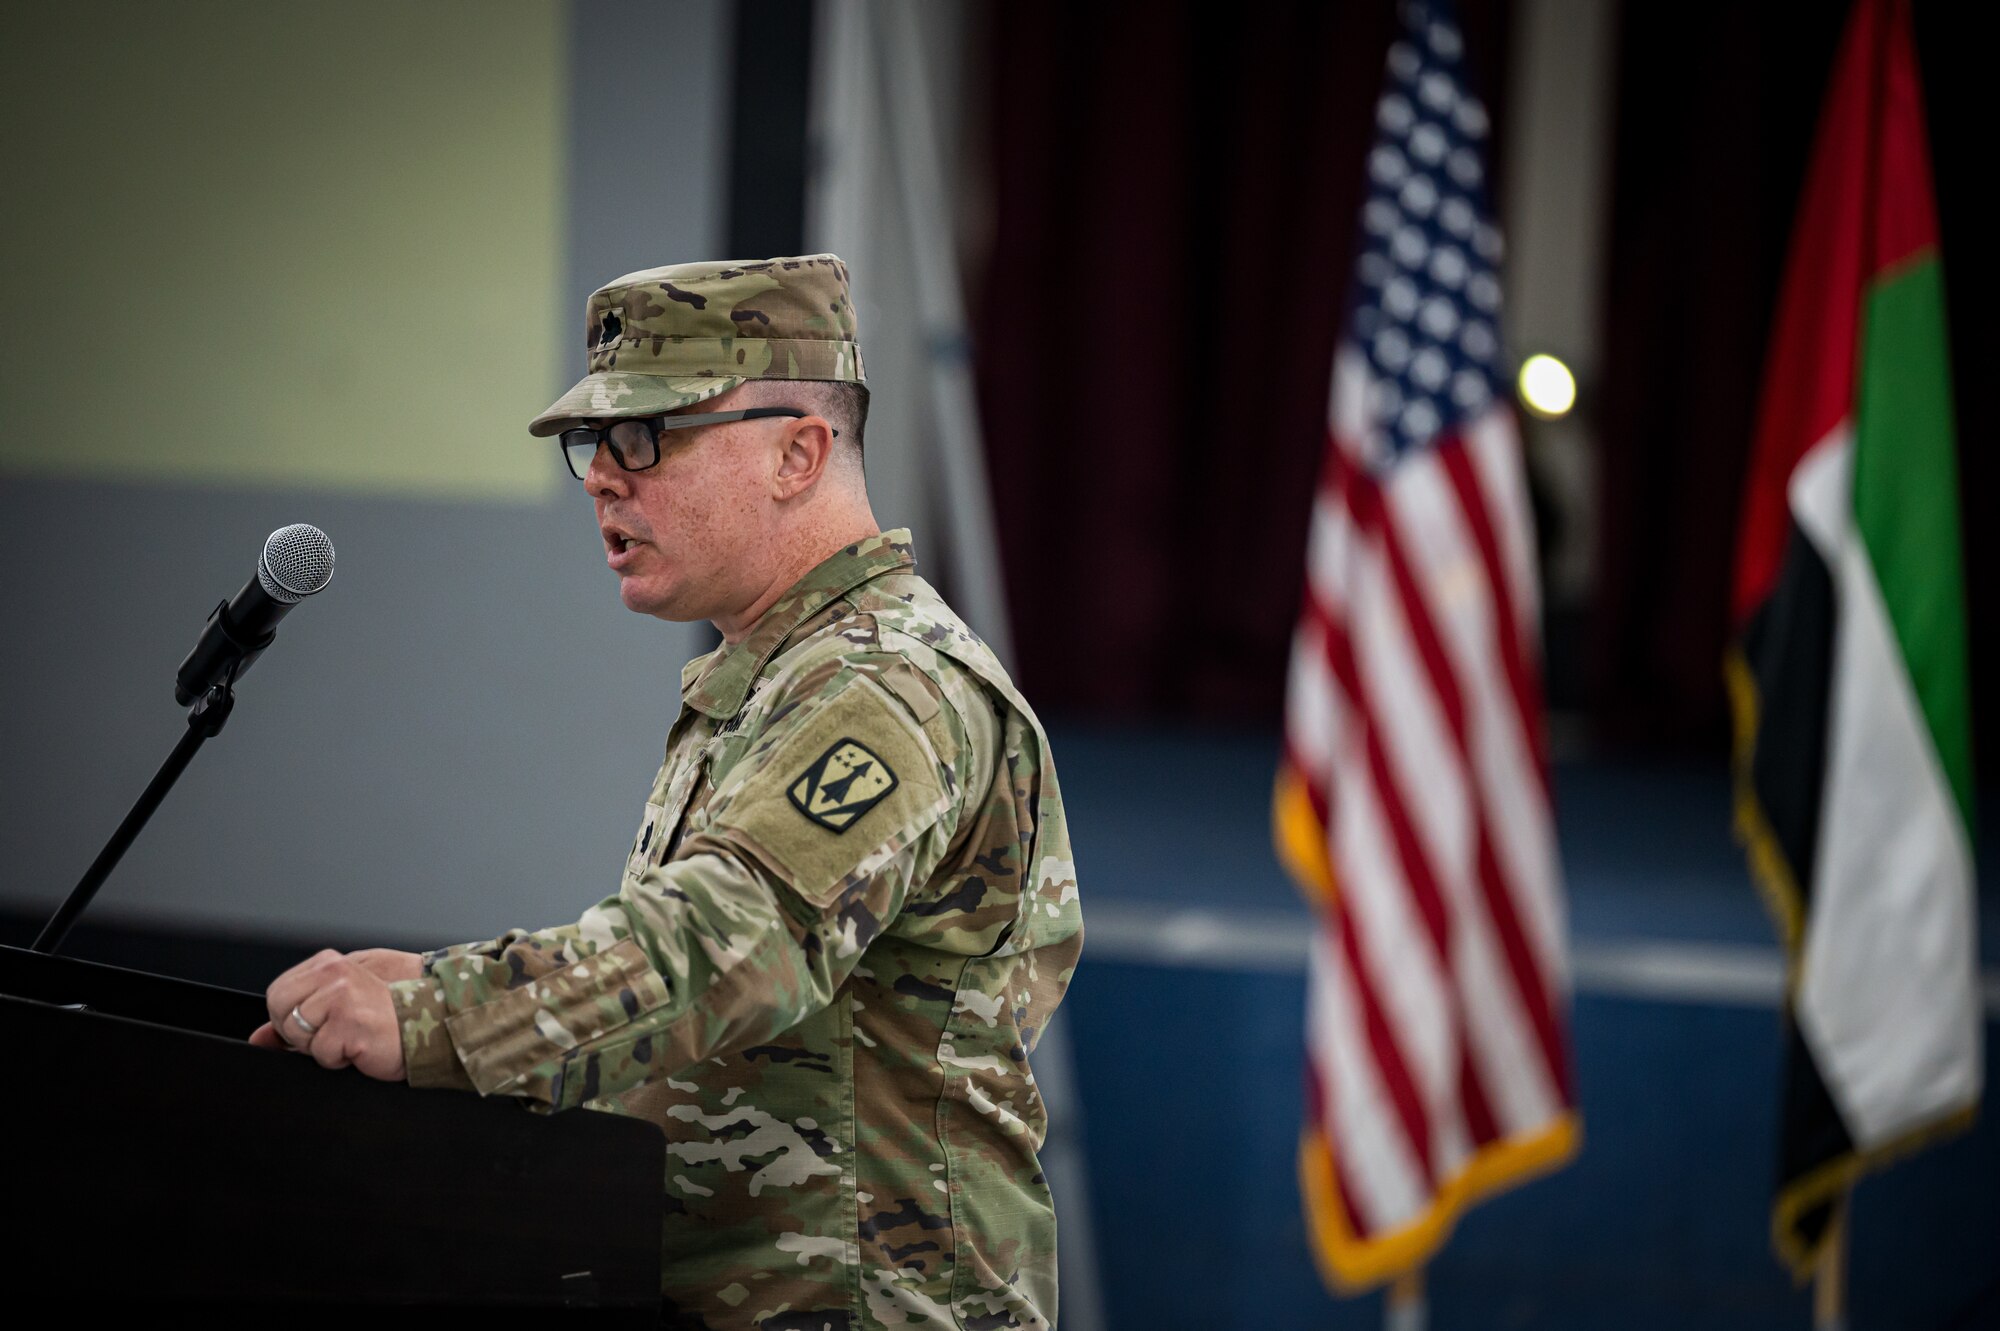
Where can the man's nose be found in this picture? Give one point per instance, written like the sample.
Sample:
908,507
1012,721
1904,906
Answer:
605,477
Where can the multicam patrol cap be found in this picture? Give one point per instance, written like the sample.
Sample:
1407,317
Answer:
669,337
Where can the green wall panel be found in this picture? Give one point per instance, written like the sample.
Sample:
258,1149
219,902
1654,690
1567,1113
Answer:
270,243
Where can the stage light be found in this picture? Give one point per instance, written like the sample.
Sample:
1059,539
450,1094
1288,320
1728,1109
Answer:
1546,386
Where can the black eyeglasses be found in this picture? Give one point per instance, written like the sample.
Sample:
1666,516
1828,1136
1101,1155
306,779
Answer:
635,441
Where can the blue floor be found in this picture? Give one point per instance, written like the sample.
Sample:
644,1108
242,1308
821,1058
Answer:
1189,1081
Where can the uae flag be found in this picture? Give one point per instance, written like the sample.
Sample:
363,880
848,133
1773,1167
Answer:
1413,804
1849,681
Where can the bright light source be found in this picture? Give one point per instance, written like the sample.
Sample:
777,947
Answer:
1547,387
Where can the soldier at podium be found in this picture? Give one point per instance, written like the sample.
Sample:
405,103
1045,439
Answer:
850,907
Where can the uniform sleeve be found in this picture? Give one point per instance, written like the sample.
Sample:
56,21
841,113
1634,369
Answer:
490,947
809,848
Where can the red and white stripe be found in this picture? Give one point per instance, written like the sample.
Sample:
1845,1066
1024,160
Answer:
1439,987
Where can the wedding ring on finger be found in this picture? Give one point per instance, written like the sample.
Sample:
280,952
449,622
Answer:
304,1025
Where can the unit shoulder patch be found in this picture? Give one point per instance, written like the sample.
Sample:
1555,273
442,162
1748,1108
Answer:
849,780
841,784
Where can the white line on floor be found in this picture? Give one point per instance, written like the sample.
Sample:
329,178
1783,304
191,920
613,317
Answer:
1722,974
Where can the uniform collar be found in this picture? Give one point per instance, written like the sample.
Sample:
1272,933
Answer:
722,685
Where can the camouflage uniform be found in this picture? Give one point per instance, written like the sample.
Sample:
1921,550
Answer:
847,916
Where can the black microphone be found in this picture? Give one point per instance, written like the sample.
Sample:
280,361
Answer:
297,561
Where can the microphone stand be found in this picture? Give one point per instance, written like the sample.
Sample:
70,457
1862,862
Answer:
204,719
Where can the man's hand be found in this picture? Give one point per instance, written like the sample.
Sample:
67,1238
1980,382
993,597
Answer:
338,1009
389,964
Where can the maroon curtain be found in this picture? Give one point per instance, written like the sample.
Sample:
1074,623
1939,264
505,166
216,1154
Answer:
1177,188
1717,107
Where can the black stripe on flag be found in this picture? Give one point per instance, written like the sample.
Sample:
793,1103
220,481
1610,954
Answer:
1787,649
1788,646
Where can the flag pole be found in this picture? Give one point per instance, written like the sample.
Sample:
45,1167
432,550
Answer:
1830,1276
1406,1308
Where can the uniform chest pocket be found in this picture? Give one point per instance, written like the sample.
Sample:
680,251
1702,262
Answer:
662,821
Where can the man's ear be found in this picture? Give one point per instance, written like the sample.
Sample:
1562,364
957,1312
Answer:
804,453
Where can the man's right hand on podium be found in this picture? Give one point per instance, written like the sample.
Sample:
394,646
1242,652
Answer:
388,964
353,1021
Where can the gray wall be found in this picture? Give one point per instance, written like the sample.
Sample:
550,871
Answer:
457,735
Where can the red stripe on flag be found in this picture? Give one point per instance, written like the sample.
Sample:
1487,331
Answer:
1419,875
1508,627
1319,1110
1410,850
1528,978
1867,204
1388,1056
1529,982
1313,783
1905,210
1479,1122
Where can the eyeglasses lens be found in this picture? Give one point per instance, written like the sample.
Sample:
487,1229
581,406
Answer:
635,443
579,448
633,447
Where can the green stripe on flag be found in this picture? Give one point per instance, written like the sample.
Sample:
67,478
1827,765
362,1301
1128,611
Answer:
1906,500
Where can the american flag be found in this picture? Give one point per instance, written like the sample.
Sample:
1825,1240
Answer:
1414,798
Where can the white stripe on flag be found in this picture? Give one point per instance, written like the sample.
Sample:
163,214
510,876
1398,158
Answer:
1367,1140
1437,803
1312,719
1348,416
1526,822
1416,995
1888,996
1463,608
1330,552
1494,448
1445,566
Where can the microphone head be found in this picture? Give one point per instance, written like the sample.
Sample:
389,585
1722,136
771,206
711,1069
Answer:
297,562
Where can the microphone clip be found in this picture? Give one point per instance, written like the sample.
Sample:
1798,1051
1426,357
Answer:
224,651
211,710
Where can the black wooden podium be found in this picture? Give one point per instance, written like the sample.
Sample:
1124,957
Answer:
150,1155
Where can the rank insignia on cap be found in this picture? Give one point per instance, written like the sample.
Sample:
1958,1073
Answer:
842,784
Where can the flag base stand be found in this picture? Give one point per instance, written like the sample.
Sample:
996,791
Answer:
1405,1308
1830,1276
